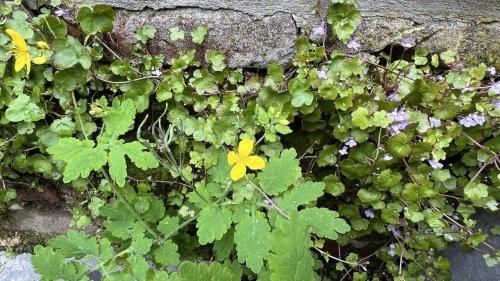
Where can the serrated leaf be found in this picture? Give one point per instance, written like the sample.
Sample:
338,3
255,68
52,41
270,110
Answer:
139,266
252,237
225,246
299,89
118,119
75,244
135,151
212,223
280,172
291,258
119,219
324,222
301,195
190,271
52,265
166,253
76,154
168,226
221,171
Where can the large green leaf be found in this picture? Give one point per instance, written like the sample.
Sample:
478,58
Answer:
96,19
280,172
212,223
253,241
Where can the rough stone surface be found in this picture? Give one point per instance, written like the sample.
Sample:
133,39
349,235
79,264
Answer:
53,222
255,33
470,266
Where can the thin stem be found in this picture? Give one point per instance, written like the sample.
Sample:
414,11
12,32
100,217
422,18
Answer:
127,81
78,115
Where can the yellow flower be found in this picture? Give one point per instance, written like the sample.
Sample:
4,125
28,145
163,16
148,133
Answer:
243,160
42,45
20,51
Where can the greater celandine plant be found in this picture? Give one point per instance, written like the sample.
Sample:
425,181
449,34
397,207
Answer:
195,171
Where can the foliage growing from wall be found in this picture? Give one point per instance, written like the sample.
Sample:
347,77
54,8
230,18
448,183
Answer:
269,177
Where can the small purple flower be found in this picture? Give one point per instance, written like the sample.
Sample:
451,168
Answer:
403,222
351,143
369,213
61,12
492,70
156,72
454,227
320,30
496,103
472,120
495,87
399,120
467,89
343,150
394,231
434,122
391,251
435,164
439,78
353,44
322,74
408,42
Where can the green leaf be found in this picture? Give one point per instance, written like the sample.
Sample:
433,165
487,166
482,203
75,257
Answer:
76,244
135,152
447,57
398,145
220,172
81,157
359,118
291,258
96,19
301,195
475,191
139,266
176,33
328,156
216,59
118,119
198,34
189,271
168,226
166,254
119,219
275,75
145,33
212,223
279,173
333,186
22,109
330,224
250,250
380,119
344,19
299,89
68,52
52,265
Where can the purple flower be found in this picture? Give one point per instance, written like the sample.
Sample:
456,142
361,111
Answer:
439,78
269,203
156,72
496,103
394,231
320,30
435,164
393,96
322,74
369,213
353,44
492,70
408,42
351,143
391,251
343,150
467,89
495,87
472,120
399,120
434,122
61,12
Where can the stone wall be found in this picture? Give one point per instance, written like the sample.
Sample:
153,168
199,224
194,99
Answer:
254,33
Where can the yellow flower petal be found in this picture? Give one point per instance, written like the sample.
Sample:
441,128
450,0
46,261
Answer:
39,60
232,158
238,171
28,64
42,45
254,162
18,40
245,148
20,62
